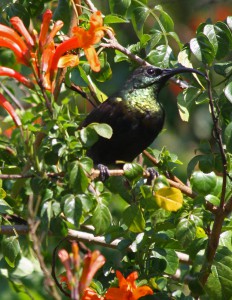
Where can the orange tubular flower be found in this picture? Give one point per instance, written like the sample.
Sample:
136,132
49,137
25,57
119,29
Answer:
127,289
81,39
10,109
92,262
19,26
10,39
4,71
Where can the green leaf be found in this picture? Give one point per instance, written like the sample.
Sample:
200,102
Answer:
218,285
229,22
25,267
63,13
224,69
138,18
133,171
202,49
119,7
78,180
11,250
213,199
185,232
202,183
101,219
114,19
134,219
165,19
161,56
72,208
228,91
185,101
5,208
105,72
217,35
16,9
169,198
104,130
171,258
88,136
228,136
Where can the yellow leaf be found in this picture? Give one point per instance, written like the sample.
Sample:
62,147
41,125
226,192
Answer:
200,233
169,198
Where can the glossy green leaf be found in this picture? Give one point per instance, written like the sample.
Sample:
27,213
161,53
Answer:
134,218
218,286
113,19
5,208
213,199
185,101
138,18
19,10
105,72
104,130
133,171
218,38
185,232
101,219
119,7
202,49
224,69
11,250
24,267
228,136
228,91
203,183
169,198
78,179
88,136
72,208
161,56
229,22
172,260
165,19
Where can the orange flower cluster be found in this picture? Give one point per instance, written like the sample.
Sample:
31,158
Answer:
127,290
91,263
42,54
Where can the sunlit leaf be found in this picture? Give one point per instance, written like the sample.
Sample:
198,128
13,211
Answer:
228,91
11,250
101,219
169,198
134,219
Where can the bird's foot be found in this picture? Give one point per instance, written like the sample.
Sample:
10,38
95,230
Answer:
104,172
152,175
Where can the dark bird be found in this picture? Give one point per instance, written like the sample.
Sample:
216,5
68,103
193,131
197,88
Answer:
134,113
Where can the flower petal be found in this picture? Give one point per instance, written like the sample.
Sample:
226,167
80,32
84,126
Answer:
10,109
142,291
69,60
47,16
19,26
21,55
92,58
4,71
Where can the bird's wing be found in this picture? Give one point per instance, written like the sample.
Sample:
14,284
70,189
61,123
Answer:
112,112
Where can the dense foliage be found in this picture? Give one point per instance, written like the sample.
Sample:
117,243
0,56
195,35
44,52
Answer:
176,235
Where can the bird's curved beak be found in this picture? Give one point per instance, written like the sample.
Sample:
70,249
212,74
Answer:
168,73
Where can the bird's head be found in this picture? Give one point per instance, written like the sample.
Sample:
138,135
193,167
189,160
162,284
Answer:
146,76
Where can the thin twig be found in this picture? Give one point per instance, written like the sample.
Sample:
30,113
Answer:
13,98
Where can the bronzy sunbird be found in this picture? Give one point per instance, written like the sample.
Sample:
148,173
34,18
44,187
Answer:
134,113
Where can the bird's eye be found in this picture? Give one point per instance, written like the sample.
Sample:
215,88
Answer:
150,71
154,71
